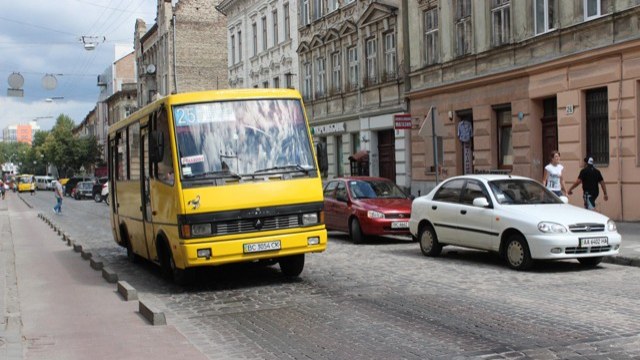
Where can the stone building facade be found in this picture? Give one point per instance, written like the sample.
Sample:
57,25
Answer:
185,50
527,77
261,40
350,65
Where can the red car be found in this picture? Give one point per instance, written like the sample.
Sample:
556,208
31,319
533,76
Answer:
364,206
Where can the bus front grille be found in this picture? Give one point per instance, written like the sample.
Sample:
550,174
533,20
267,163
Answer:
253,225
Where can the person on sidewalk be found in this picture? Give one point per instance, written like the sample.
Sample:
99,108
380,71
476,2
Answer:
57,189
553,175
590,177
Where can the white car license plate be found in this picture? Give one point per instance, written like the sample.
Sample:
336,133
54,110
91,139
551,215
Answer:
262,246
595,241
400,225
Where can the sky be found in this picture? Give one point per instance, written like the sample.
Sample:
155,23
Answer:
41,42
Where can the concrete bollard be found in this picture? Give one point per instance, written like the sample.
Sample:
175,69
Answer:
127,291
154,316
85,254
96,263
109,275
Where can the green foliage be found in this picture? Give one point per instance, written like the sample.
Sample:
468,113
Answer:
57,147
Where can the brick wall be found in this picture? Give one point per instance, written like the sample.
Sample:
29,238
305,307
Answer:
201,47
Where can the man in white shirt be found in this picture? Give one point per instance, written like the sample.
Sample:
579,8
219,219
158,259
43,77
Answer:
57,189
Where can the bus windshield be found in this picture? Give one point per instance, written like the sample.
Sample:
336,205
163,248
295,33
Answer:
242,138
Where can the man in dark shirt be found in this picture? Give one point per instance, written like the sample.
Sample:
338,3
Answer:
590,177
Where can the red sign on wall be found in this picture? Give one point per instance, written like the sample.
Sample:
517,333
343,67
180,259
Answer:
402,121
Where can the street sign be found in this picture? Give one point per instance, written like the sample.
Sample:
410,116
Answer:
402,121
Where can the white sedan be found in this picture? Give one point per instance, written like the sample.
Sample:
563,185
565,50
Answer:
513,216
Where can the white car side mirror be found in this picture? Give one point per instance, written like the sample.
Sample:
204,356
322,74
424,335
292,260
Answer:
564,199
480,202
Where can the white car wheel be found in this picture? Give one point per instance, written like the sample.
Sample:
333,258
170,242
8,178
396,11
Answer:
517,253
429,244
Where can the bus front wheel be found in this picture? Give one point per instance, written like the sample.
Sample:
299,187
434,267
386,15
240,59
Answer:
169,268
291,266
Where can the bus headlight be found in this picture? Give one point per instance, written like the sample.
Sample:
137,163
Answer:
309,219
200,229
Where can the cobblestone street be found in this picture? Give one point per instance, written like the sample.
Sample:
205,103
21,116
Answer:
381,300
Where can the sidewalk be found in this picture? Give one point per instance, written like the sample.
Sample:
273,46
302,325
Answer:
54,306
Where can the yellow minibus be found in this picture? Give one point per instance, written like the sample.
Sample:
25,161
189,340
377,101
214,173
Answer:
217,177
26,182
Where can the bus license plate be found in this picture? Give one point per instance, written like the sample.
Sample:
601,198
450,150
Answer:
400,225
262,246
596,241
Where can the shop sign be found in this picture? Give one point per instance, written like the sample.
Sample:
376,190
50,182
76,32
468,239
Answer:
402,121
328,129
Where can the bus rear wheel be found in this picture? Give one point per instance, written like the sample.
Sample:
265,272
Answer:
291,266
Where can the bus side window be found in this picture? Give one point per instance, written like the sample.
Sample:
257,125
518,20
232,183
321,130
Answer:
165,166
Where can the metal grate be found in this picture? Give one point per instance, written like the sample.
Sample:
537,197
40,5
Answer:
251,225
598,125
587,250
586,227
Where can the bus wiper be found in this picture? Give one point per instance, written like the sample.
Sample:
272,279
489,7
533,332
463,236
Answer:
215,174
290,168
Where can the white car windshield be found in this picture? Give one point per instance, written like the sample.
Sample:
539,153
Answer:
242,138
520,192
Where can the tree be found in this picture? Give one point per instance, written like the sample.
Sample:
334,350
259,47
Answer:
66,152
59,146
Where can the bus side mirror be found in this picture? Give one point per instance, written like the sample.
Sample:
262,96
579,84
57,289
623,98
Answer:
156,146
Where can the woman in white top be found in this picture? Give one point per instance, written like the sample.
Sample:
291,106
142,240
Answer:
553,175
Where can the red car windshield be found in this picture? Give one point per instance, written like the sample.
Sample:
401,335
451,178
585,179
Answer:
375,189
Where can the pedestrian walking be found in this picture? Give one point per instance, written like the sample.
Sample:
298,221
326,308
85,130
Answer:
2,188
590,177
553,175
57,189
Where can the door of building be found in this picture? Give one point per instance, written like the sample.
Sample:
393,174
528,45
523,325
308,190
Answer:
549,130
387,154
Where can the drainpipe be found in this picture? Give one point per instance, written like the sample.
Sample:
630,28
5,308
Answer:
619,139
175,75
406,49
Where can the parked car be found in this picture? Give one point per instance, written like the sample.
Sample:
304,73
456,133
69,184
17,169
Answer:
516,217
83,190
97,188
364,206
71,183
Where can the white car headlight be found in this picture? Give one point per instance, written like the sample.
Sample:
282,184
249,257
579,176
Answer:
551,227
611,225
375,214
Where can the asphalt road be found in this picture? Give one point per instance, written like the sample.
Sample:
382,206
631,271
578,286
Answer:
382,299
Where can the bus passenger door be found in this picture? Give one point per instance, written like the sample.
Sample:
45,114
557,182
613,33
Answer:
145,183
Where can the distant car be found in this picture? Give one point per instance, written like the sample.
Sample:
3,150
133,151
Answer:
97,188
364,206
71,183
514,216
83,190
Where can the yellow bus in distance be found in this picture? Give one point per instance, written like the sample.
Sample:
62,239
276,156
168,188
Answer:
217,177
26,182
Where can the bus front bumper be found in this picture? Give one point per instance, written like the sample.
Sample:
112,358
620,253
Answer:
251,248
